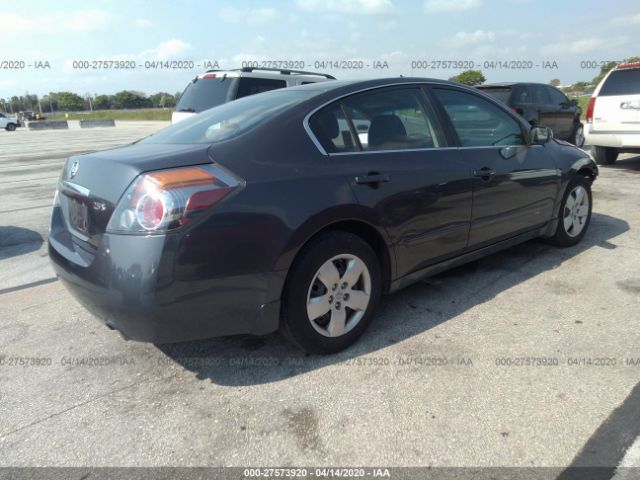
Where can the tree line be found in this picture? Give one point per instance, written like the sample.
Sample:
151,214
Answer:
130,99
72,102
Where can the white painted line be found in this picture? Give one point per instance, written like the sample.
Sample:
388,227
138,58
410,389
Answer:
629,468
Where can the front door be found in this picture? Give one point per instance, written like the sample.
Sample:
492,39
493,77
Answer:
515,184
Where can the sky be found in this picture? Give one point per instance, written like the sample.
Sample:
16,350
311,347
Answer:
562,39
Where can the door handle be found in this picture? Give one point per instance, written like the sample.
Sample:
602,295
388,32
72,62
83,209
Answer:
372,178
485,173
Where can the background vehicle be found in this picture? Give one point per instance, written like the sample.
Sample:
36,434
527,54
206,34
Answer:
613,114
8,122
542,105
32,116
274,211
215,87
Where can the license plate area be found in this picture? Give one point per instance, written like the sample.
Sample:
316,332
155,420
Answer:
78,216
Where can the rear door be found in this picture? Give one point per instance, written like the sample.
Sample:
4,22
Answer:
394,153
565,113
617,108
515,184
546,110
522,102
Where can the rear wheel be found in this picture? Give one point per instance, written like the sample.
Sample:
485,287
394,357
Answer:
577,138
10,127
332,291
605,155
575,213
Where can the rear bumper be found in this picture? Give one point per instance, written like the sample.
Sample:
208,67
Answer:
129,283
621,140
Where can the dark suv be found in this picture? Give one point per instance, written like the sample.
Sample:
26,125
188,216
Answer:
542,105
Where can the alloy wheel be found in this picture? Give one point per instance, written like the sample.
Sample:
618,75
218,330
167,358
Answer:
576,211
579,138
339,295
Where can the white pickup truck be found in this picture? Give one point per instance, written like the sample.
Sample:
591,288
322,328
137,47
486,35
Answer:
8,122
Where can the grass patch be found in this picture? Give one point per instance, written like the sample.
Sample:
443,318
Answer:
142,114
583,102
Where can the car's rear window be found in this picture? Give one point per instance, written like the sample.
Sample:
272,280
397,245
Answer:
501,93
203,94
622,82
230,119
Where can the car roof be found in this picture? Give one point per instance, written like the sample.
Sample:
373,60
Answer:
512,84
377,82
275,73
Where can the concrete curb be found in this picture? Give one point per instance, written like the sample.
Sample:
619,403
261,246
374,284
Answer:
97,123
48,125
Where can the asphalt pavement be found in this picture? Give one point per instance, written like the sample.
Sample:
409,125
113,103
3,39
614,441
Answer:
527,358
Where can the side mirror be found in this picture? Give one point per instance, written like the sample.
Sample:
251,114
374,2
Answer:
540,135
574,102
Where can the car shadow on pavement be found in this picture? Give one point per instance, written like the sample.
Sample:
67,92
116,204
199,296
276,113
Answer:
631,164
248,360
15,241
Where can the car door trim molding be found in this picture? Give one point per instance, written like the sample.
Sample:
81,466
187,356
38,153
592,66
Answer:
428,149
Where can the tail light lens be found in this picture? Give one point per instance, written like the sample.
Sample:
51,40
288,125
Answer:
590,107
161,201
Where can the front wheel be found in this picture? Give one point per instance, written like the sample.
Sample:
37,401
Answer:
575,213
10,127
605,155
332,291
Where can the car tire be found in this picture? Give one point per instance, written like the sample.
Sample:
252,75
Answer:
331,293
575,213
605,155
10,127
577,137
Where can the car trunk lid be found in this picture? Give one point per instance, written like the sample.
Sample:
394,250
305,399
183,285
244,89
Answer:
91,184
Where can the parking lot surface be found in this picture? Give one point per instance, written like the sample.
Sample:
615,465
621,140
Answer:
529,357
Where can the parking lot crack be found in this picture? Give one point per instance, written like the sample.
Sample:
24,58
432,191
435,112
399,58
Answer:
73,407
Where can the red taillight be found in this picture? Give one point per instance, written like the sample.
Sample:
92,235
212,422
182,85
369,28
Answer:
163,200
208,75
202,200
623,66
590,107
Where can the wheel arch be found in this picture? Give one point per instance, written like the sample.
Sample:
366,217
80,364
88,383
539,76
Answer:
374,235
584,167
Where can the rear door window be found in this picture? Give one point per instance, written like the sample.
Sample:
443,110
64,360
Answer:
250,86
557,97
477,121
621,82
522,94
332,130
499,93
540,95
396,119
